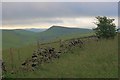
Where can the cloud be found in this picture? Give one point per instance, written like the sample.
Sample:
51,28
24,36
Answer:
0,10
80,22
60,0
31,21
52,9
26,13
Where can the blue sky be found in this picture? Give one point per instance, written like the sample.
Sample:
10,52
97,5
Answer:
18,15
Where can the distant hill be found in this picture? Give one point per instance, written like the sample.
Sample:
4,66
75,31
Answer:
14,38
19,37
35,30
58,31
65,30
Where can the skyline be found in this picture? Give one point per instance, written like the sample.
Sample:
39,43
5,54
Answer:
45,14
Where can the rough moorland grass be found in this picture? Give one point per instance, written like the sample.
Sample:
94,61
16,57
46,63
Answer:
95,60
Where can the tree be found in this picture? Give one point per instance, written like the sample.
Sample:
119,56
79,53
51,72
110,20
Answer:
105,27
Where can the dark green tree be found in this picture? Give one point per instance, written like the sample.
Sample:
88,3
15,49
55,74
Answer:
105,27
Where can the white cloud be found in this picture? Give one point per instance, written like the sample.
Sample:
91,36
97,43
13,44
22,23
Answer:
80,22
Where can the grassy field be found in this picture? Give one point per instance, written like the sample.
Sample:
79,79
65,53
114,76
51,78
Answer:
95,60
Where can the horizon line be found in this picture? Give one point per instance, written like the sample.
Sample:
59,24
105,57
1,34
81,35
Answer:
34,28
1,28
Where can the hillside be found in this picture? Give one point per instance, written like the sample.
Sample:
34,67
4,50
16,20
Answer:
98,59
17,38
60,32
65,30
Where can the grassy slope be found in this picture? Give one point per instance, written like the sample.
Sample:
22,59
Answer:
19,38
15,38
97,59
57,32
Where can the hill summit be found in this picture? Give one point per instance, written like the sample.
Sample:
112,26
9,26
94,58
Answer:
62,29
54,26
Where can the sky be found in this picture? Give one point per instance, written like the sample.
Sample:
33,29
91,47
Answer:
20,15
59,0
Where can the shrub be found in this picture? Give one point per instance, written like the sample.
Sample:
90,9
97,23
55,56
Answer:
105,27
